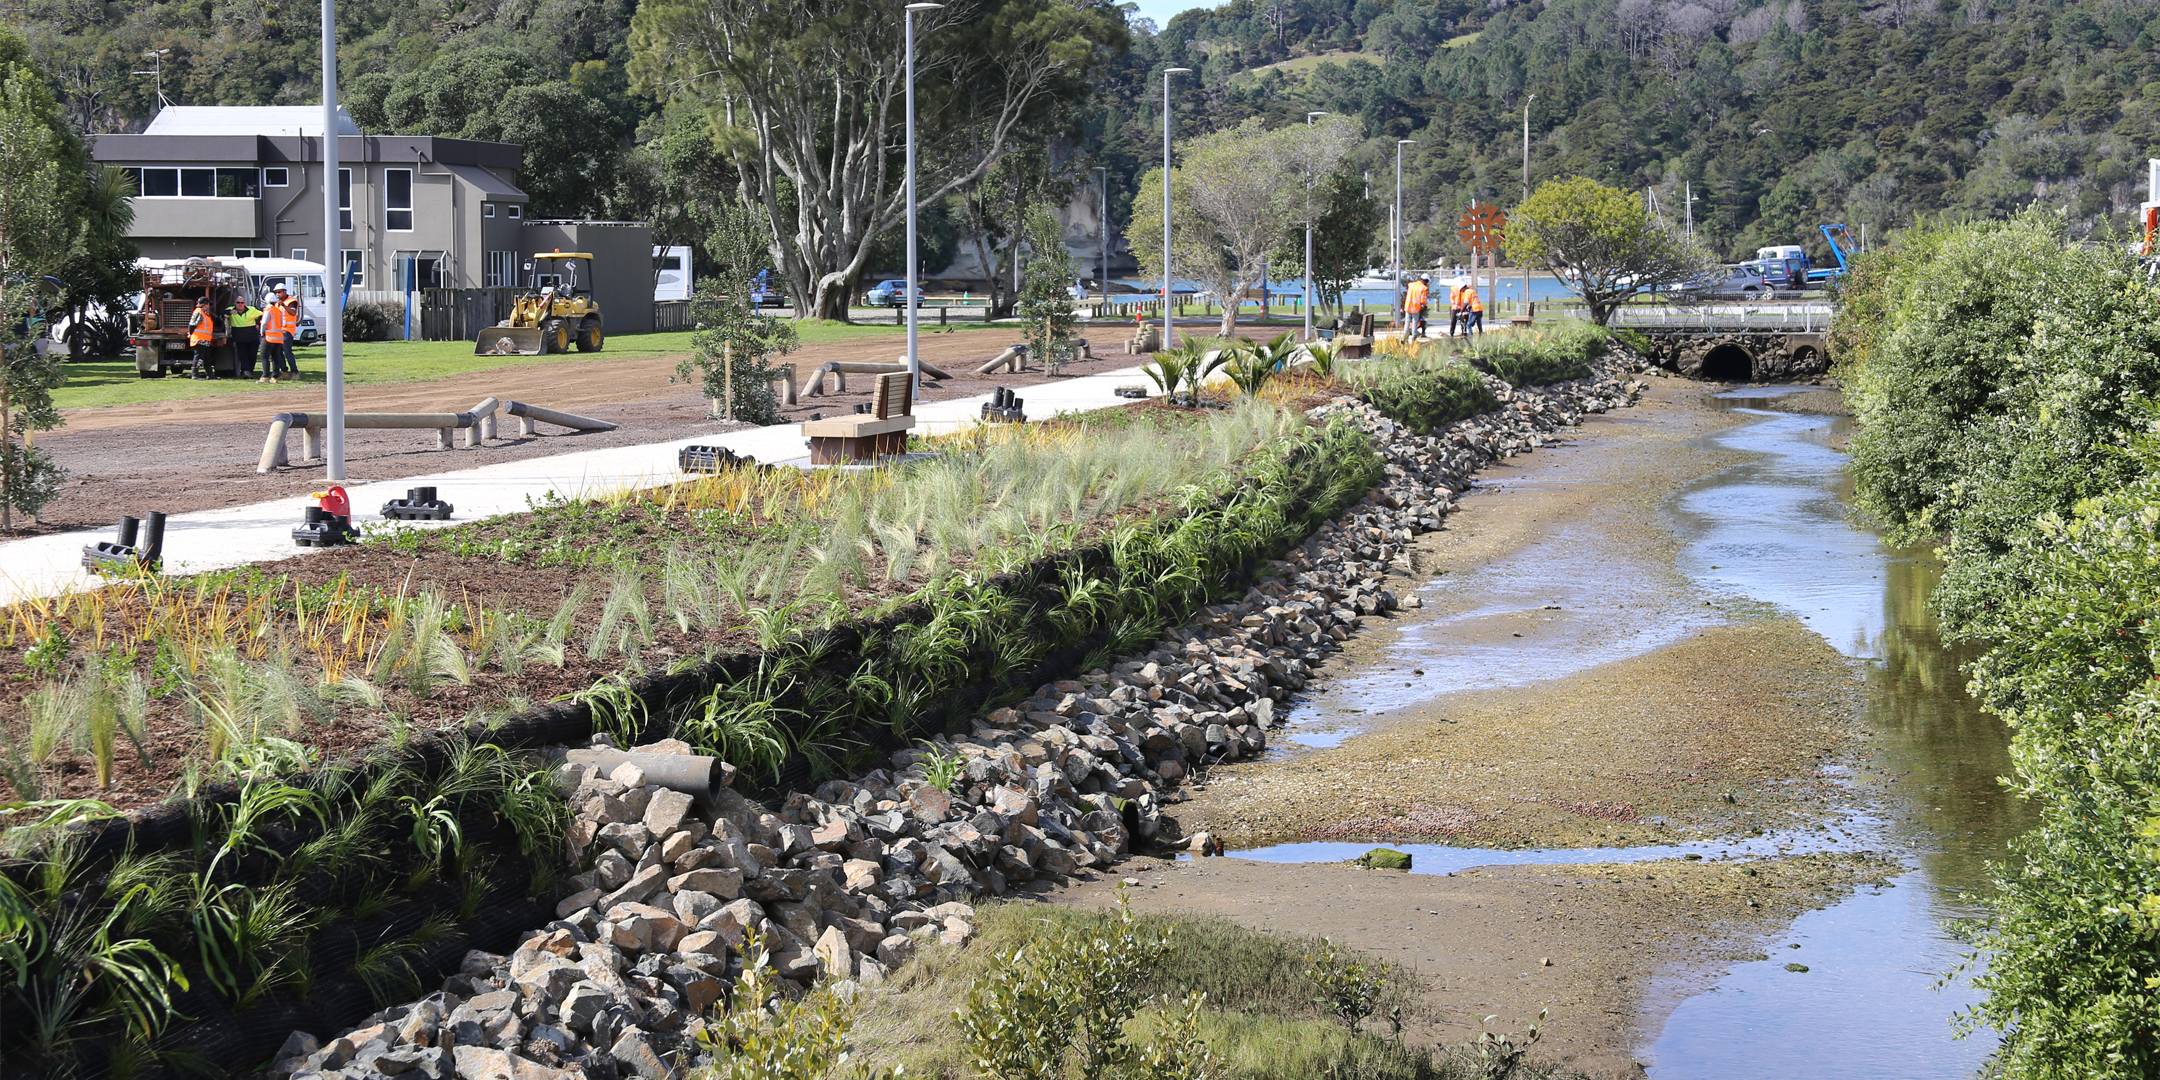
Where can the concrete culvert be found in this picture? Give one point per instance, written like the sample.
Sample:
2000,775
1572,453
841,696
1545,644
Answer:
1728,363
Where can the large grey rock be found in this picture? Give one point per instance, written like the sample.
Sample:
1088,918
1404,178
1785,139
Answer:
581,1005
299,1046
634,1049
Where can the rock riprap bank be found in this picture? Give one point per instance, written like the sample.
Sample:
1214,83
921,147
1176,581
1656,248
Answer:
848,881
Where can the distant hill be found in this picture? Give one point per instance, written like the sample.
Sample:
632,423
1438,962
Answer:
1783,114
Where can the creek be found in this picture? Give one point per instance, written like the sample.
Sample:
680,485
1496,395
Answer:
1768,534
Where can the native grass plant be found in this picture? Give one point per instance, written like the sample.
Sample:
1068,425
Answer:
95,956
819,692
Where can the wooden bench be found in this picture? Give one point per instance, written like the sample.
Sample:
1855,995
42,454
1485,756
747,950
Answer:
866,437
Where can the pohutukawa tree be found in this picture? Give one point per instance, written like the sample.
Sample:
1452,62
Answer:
808,96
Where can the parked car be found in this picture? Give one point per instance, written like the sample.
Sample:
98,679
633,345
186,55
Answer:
888,293
1744,279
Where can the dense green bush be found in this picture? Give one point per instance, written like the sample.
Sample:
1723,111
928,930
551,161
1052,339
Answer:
374,320
1425,391
2004,386
1537,357
2073,937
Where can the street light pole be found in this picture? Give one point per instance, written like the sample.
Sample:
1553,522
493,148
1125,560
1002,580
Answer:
1308,238
1525,301
1168,331
914,300
1399,144
333,239
1102,235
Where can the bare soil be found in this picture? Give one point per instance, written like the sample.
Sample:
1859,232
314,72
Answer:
181,456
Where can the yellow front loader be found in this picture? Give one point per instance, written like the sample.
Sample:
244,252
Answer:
557,309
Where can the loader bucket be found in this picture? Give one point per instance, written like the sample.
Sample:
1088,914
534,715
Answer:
509,341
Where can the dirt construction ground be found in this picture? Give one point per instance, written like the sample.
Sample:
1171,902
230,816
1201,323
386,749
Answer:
200,454
1721,728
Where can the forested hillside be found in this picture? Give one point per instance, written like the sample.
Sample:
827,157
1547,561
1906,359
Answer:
1782,114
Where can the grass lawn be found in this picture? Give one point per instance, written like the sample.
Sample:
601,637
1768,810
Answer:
113,382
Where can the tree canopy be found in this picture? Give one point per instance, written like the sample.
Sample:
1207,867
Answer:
1604,243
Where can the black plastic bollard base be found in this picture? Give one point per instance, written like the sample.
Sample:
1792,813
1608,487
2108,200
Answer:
419,504
712,459
320,528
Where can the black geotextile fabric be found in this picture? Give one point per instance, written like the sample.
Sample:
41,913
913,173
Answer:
226,1043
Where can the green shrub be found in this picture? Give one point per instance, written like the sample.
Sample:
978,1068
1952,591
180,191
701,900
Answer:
1425,392
374,320
1537,357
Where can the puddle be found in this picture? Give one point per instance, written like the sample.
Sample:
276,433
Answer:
1440,859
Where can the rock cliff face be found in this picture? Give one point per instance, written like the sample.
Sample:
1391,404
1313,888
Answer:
847,881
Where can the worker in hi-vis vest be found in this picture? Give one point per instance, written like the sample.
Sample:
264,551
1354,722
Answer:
279,325
202,331
1413,305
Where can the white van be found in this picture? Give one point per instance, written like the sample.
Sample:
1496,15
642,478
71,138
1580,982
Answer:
302,279
671,273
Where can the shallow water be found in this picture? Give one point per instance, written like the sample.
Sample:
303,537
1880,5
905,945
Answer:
1770,533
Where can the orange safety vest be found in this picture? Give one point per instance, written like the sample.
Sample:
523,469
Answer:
277,323
1414,297
1477,303
202,326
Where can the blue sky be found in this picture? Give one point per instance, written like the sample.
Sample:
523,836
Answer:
1161,10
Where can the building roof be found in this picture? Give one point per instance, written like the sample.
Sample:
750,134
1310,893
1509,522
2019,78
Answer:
303,120
485,179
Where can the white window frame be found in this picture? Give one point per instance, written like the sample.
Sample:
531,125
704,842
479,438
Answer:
251,253
502,269
345,202
487,209
299,254
350,256
390,212
284,176
516,212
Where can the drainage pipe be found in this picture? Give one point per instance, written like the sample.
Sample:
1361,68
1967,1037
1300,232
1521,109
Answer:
841,369
526,414
691,774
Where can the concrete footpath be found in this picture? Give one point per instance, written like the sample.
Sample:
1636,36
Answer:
218,539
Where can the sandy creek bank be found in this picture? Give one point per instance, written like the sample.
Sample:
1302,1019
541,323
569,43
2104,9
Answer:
1564,686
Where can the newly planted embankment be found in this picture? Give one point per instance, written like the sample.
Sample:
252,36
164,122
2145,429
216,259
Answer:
1137,544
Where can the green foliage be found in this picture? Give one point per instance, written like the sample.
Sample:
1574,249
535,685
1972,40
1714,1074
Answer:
768,1034
1541,356
736,344
1251,364
1604,243
39,237
1347,989
943,768
1058,1007
1425,391
1046,304
2004,384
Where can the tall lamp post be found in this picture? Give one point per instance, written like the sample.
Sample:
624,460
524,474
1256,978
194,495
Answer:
1308,237
1102,234
1167,329
334,240
1525,198
1399,144
914,300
